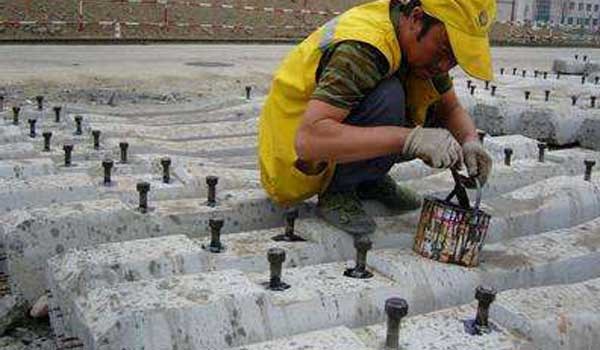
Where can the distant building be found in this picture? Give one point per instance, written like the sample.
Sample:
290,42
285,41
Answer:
584,13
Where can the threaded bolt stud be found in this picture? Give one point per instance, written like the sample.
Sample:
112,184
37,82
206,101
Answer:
396,309
276,257
485,297
96,136
16,110
32,122
143,188
123,146
363,245
166,164
107,164
215,245
212,182
40,102
542,150
57,110
68,150
508,152
589,164
47,136
78,120
481,135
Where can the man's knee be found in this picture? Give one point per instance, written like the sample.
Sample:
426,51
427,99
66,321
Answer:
385,105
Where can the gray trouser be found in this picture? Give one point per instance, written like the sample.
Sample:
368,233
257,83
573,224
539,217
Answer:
385,105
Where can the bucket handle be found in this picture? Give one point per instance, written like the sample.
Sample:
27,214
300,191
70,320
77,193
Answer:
461,193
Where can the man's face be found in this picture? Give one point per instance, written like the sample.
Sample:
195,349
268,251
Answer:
431,54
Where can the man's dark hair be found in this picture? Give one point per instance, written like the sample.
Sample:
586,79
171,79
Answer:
407,9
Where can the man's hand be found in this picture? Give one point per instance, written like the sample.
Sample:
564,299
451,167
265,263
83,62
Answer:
436,147
477,160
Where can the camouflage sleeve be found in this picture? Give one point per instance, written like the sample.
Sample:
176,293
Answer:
442,83
348,72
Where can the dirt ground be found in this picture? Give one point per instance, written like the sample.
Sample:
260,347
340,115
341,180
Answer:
173,74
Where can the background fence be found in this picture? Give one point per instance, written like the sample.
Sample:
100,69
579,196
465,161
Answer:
163,19
241,20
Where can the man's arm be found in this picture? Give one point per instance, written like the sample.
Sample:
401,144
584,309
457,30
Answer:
323,137
456,119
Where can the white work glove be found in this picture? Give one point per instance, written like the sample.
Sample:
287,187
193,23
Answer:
436,147
478,161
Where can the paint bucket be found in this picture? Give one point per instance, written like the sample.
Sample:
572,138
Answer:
450,232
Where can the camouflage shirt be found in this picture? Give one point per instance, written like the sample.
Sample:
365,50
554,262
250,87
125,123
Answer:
350,70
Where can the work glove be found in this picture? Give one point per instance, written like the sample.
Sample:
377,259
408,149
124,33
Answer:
436,147
477,161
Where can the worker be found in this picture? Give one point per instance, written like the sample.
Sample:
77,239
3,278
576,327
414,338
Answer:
369,89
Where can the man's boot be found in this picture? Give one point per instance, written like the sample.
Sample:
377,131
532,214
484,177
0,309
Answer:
392,195
344,211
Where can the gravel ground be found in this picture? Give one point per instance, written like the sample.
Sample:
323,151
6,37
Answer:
173,74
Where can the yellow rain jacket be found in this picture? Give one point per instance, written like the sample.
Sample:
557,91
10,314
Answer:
294,83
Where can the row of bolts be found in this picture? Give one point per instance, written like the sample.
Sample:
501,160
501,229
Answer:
40,102
542,146
395,308
57,110
493,88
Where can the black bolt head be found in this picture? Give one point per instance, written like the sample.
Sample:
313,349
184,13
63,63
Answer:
589,163
78,118
57,108
212,180
47,134
31,121
508,151
123,145
485,294
165,161
396,308
363,244
96,133
143,186
107,163
542,145
216,224
68,148
276,255
16,109
481,135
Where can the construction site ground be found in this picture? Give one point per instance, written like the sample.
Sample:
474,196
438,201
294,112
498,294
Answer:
117,277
